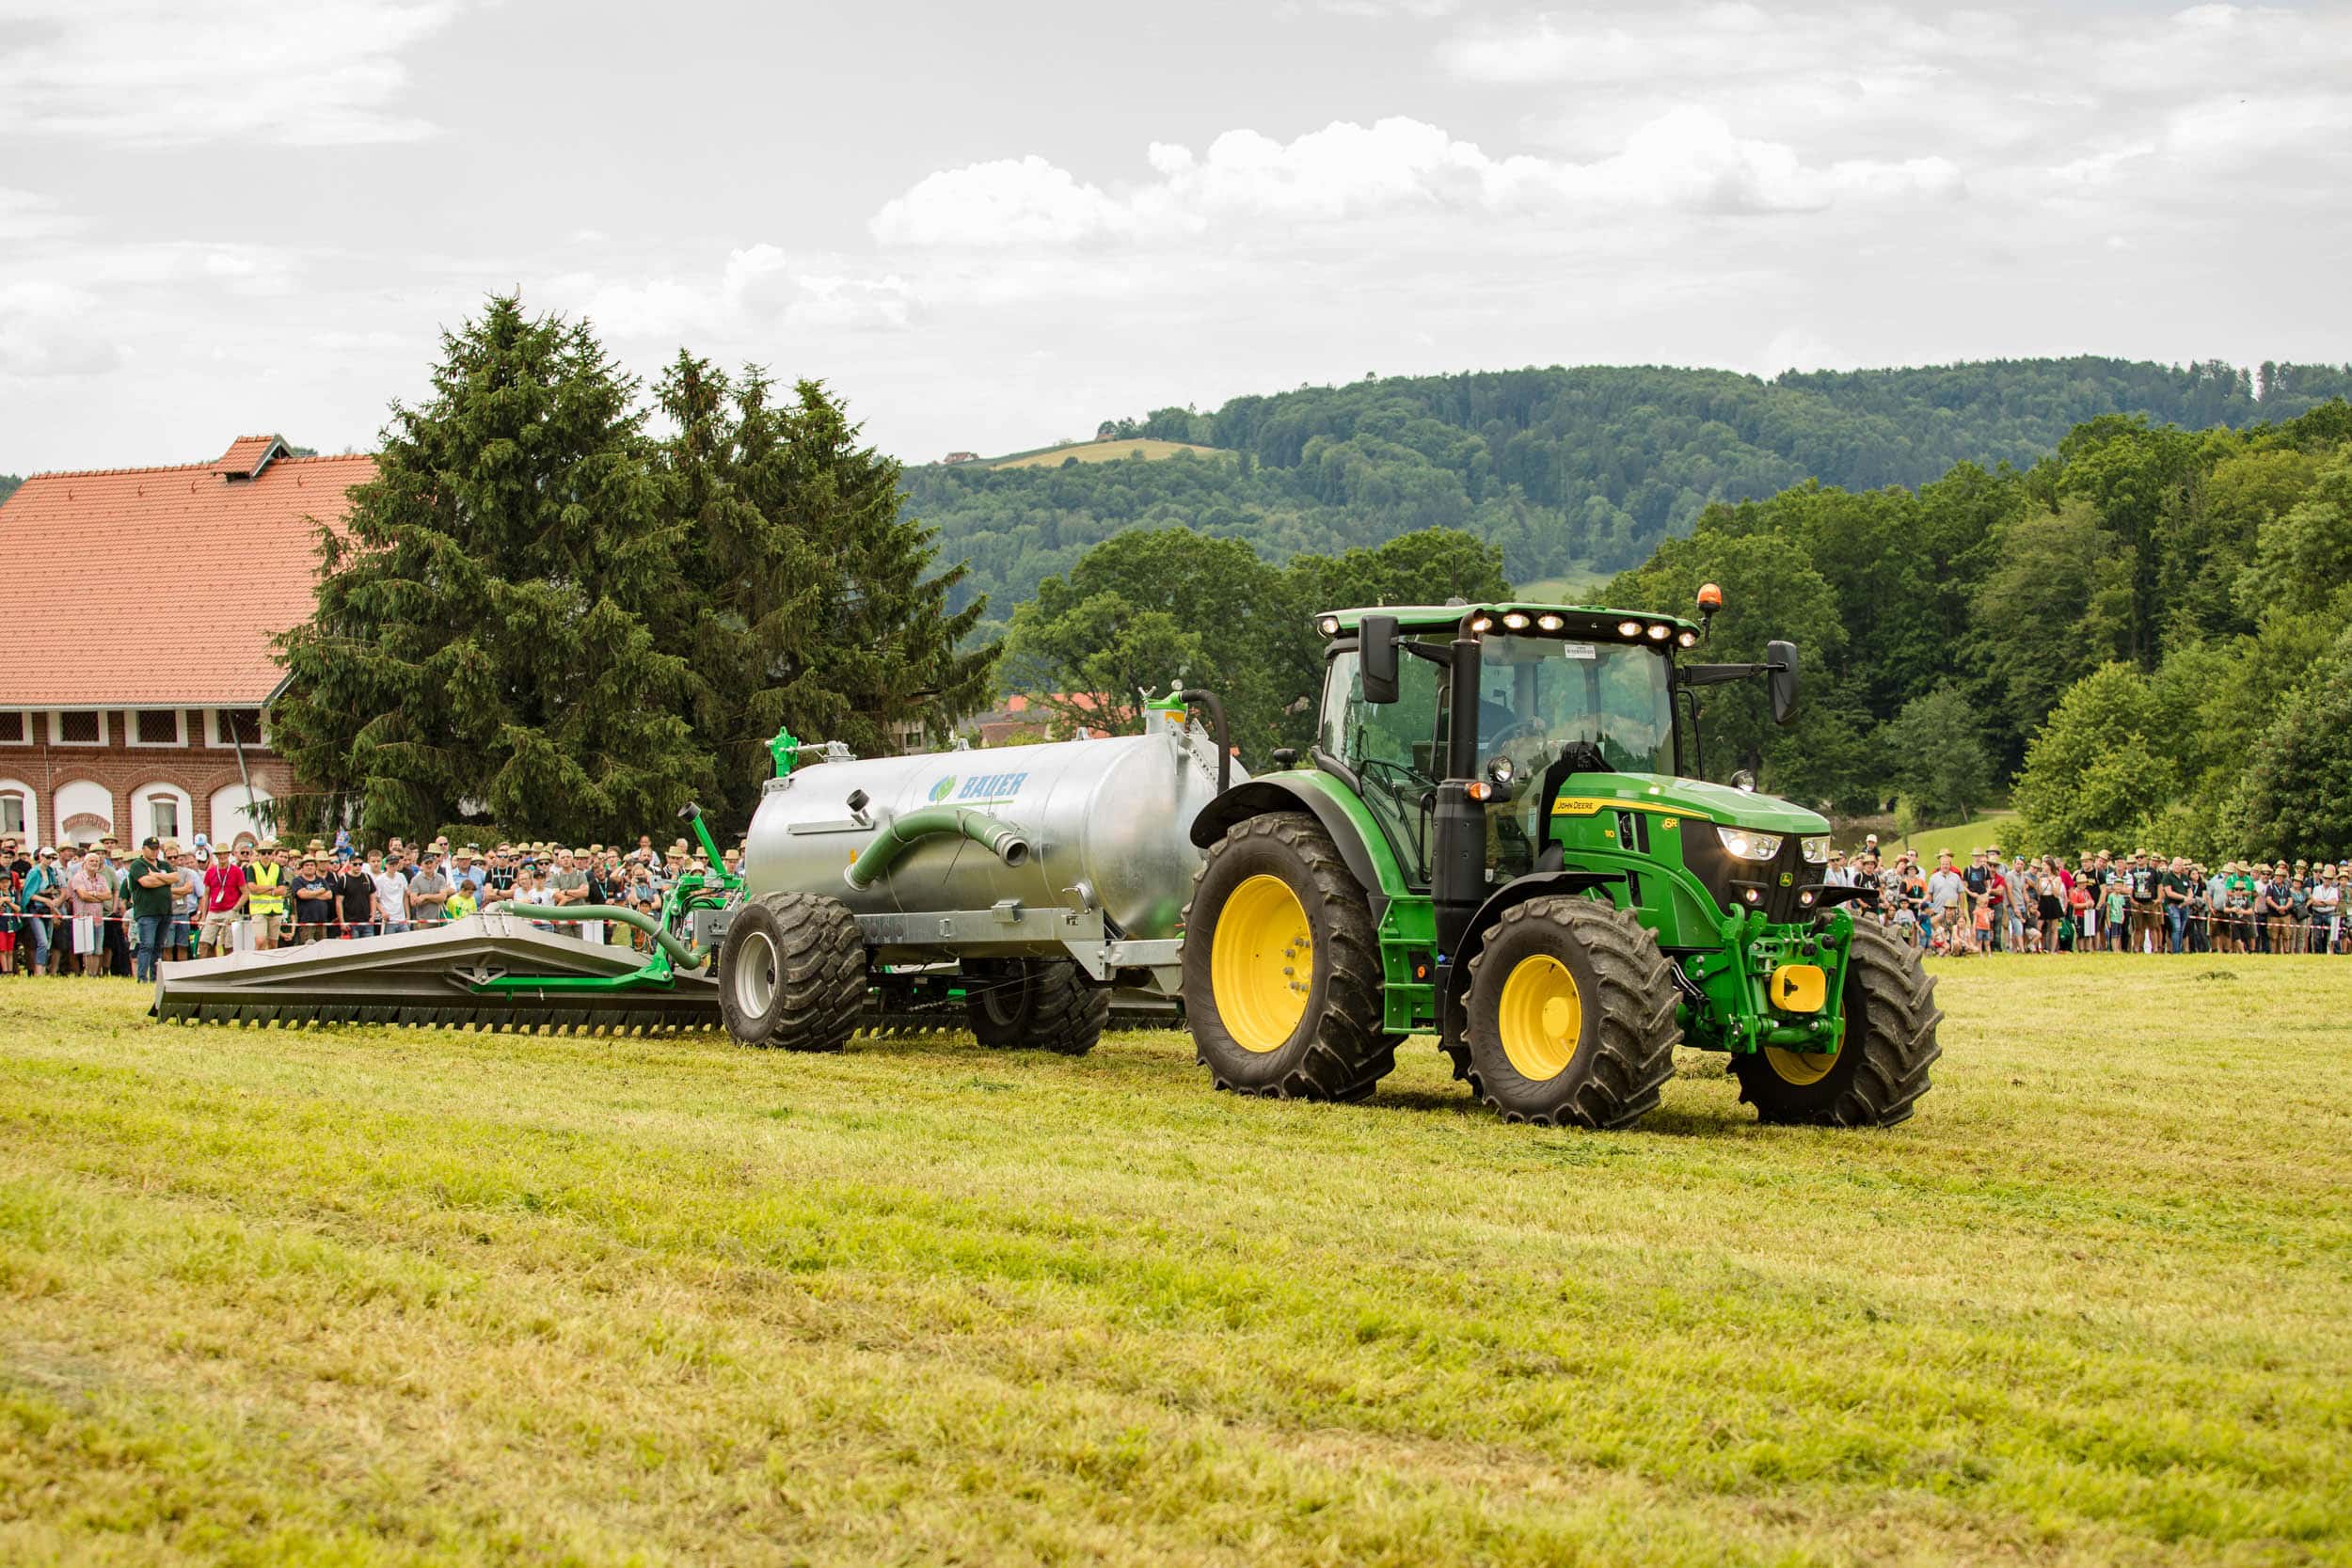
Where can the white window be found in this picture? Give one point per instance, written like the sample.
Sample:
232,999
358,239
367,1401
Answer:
236,726
240,814
16,727
17,814
86,811
158,726
164,810
78,727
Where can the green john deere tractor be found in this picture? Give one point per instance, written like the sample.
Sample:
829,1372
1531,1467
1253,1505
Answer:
1499,837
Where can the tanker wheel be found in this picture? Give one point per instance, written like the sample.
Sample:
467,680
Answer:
1876,1076
1035,1004
1283,966
1572,1015
793,973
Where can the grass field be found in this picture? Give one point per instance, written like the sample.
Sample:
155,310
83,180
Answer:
1981,832
423,1297
1104,451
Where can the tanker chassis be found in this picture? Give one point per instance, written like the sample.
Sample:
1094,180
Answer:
1013,890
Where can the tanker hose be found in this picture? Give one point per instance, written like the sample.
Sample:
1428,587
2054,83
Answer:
686,957
1224,737
1001,839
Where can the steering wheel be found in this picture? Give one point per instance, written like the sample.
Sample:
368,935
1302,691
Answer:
1525,727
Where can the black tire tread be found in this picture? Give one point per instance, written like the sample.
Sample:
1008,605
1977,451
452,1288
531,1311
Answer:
1899,1043
1638,1033
1348,1052
820,972
1059,1011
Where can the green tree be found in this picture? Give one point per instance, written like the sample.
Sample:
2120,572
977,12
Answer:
1769,591
2303,562
1147,608
2055,604
2094,776
483,638
1936,755
809,602
2296,797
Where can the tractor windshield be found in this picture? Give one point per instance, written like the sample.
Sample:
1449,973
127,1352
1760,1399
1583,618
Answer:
1537,694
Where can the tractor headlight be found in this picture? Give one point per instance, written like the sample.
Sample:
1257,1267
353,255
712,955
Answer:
1515,620
1748,845
1499,768
1328,625
1816,848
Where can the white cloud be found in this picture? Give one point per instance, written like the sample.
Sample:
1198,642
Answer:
183,71
51,329
1687,157
760,288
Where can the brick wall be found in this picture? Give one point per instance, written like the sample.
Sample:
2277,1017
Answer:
44,776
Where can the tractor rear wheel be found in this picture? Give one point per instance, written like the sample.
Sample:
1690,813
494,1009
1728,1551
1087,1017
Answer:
793,973
1572,1015
1035,1004
1877,1073
1283,966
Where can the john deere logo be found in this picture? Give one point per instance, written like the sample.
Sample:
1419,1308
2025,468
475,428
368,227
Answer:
1787,878
939,790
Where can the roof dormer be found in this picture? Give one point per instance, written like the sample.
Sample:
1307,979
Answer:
247,455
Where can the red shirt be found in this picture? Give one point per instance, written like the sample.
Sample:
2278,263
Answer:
224,884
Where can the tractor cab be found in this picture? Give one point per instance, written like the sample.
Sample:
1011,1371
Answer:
1503,836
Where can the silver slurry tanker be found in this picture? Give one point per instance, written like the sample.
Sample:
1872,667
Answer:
1079,849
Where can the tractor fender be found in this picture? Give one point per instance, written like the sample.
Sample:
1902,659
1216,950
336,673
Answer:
1537,884
1287,793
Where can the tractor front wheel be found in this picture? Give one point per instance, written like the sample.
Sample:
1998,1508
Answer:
1877,1073
1283,966
1572,1015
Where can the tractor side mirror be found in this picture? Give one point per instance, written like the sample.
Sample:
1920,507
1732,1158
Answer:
1375,641
1781,679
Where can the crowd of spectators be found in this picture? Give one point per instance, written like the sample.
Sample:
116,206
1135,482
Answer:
96,910
2115,902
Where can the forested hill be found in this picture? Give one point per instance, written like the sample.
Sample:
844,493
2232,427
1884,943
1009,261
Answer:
1568,471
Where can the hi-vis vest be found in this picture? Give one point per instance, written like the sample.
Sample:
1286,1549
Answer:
265,896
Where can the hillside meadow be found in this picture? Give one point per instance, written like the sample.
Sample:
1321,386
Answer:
419,1297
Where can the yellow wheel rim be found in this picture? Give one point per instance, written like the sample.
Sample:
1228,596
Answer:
1541,1018
1262,963
1800,1067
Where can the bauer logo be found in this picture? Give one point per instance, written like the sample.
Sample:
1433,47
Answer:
939,790
986,787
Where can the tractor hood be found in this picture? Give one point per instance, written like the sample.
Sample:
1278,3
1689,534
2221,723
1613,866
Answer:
1720,803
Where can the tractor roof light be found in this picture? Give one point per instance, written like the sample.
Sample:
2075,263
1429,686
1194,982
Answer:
1515,619
1548,622
1661,632
1629,628
1482,624
1687,640
1328,625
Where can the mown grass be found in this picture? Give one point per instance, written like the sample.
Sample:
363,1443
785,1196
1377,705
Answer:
1150,449
420,1297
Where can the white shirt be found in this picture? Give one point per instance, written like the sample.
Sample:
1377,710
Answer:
392,890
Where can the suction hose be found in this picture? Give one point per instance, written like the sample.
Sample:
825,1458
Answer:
686,957
901,833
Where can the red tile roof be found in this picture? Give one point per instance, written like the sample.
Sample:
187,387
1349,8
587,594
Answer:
174,580
246,455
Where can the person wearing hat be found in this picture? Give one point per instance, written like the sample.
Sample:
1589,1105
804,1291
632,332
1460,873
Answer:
42,899
2327,909
151,880
224,904
265,895
313,901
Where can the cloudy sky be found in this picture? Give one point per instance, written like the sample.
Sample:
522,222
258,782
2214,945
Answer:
991,226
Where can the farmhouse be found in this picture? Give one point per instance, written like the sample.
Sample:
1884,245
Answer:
132,691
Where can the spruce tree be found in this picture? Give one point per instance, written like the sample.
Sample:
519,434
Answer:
484,632
810,606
